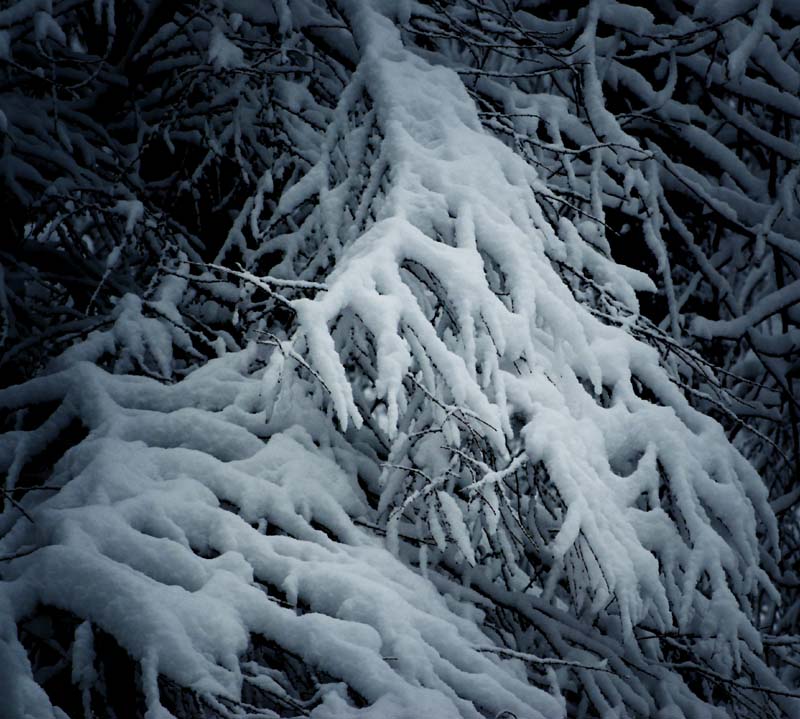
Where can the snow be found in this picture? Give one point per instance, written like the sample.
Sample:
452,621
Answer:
437,152
132,211
99,6
46,26
442,441
137,517
765,307
222,53
439,163
737,60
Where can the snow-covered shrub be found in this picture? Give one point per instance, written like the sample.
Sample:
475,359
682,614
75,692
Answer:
398,441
